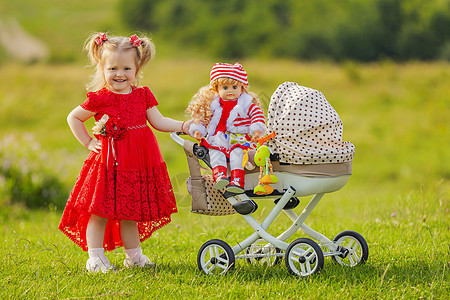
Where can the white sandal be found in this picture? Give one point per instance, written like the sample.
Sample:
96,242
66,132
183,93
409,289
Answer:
95,265
142,262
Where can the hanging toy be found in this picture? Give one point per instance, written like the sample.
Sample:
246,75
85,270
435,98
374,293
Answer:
245,163
262,159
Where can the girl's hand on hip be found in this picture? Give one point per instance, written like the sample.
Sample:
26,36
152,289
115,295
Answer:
94,145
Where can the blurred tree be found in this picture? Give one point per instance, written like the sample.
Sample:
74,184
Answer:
355,34
363,30
425,29
390,20
139,14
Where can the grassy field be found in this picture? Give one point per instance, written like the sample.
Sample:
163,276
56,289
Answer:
397,116
398,197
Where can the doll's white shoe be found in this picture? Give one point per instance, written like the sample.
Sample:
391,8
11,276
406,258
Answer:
221,182
142,262
220,178
95,265
236,184
235,188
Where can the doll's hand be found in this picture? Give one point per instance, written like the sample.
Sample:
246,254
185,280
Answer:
256,135
94,145
197,135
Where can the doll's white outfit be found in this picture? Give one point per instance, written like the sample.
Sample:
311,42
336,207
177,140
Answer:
228,133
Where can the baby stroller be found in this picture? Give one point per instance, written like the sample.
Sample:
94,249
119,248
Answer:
309,159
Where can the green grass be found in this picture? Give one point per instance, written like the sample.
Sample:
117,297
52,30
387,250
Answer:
398,197
408,259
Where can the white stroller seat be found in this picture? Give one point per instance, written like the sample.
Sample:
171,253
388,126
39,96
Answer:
303,185
306,179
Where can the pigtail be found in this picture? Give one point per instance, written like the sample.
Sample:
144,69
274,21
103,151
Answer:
146,52
94,45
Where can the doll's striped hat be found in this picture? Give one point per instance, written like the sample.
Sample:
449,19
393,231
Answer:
235,72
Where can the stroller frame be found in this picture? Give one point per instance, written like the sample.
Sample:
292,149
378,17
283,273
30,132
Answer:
303,257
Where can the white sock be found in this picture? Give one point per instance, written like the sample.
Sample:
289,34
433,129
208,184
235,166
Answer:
100,253
134,254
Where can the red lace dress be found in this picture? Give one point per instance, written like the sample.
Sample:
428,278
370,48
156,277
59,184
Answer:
127,180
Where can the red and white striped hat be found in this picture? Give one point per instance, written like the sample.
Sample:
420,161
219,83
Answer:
235,72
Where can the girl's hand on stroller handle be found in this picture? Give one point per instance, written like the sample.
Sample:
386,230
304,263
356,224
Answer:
186,125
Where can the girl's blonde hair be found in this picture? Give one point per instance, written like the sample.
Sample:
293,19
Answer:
200,106
144,52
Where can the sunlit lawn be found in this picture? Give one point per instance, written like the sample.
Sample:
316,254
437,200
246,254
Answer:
398,197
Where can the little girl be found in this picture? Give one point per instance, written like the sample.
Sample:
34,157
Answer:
123,193
229,119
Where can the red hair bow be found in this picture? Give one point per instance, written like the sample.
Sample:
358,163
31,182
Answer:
135,41
101,38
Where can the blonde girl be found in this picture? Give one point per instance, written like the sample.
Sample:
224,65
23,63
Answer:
123,193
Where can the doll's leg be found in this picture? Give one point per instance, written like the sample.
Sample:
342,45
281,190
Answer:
219,168
130,237
236,157
95,234
237,171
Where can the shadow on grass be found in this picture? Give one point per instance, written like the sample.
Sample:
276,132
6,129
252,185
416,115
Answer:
395,273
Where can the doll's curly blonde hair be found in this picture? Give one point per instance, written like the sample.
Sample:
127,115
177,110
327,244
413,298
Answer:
199,107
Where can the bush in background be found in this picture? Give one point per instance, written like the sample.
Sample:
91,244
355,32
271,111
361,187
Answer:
31,176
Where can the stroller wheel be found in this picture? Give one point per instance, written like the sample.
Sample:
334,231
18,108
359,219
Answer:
304,257
215,257
353,248
260,252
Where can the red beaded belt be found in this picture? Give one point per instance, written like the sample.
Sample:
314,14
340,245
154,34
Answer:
137,127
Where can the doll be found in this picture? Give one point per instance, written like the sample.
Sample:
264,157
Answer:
228,120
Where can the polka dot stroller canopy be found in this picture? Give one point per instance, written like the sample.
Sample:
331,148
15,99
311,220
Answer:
308,129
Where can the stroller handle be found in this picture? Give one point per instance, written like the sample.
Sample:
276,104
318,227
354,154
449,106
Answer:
201,152
176,137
